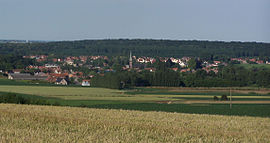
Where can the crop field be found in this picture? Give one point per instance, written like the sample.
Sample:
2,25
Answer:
246,102
76,93
140,94
29,123
62,91
5,81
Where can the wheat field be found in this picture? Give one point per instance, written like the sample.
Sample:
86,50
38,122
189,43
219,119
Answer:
28,123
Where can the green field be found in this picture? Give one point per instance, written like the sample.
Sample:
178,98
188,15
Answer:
4,81
246,102
140,94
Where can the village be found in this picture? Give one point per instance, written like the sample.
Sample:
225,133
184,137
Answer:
79,70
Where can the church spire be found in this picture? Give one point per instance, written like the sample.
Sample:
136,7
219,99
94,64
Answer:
130,60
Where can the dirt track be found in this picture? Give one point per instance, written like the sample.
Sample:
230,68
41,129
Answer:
225,102
244,90
213,102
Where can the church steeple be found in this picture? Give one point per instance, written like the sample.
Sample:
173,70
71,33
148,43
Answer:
130,60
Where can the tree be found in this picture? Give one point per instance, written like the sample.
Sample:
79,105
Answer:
216,98
117,67
194,64
169,63
224,98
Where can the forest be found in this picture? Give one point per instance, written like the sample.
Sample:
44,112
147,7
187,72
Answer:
229,76
139,47
10,62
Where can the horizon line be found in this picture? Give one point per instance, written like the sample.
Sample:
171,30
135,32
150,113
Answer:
155,39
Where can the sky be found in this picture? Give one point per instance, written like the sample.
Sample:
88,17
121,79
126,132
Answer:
214,20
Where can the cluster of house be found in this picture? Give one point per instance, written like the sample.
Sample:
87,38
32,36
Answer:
145,59
70,60
208,67
60,79
38,58
181,61
52,72
73,61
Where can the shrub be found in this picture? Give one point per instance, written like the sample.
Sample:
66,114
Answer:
216,98
224,98
56,103
13,98
9,98
21,100
83,105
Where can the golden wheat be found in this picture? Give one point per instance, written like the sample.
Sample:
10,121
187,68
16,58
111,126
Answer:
28,123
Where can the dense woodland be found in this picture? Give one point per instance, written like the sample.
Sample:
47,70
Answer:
9,62
162,48
227,77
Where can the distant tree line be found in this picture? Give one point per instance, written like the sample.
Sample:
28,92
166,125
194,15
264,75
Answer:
228,76
9,62
162,48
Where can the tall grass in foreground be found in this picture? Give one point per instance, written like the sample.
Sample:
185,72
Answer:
28,123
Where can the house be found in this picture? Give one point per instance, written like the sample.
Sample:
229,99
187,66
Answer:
140,60
152,60
217,62
110,70
25,76
259,62
57,71
17,70
174,69
150,69
163,59
70,62
85,83
177,61
54,59
51,65
53,76
182,64
61,81
185,70
252,60
83,58
40,74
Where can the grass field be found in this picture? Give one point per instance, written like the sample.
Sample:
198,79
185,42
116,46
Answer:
4,81
28,123
246,102
138,95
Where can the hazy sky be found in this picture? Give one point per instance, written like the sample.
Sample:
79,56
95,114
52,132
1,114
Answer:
237,20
